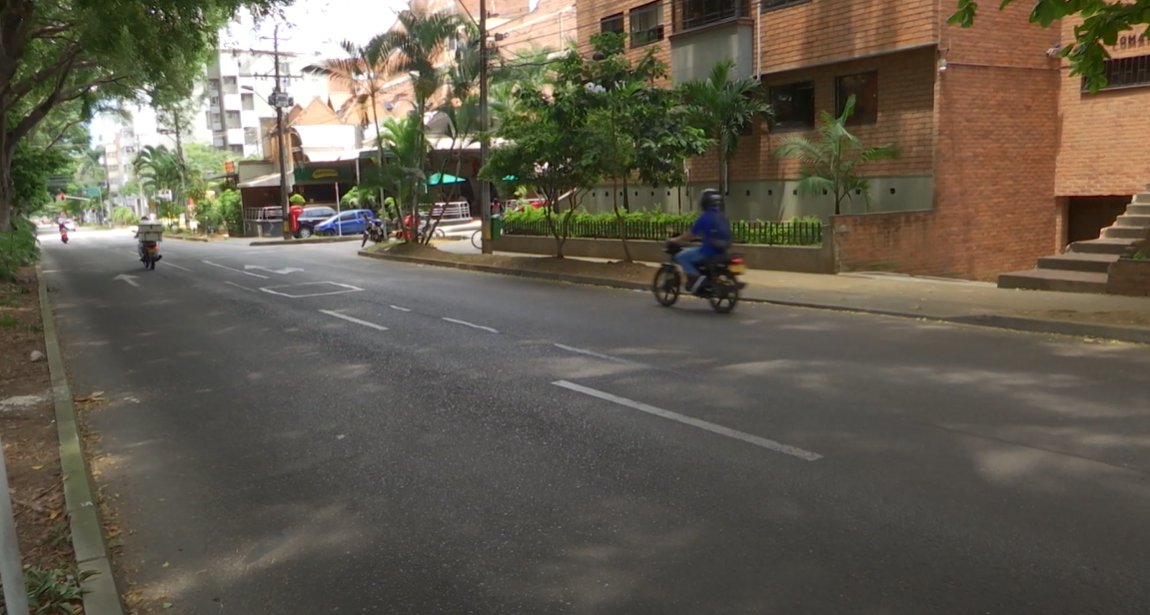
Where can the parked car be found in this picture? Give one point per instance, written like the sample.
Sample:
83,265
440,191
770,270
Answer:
311,216
349,222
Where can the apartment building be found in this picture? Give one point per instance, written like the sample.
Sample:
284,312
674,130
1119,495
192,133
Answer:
1002,153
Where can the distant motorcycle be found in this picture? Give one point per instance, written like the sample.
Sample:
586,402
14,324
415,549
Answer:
720,286
149,253
64,236
375,231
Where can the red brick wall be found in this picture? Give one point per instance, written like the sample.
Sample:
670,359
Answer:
1129,277
900,241
828,30
1102,146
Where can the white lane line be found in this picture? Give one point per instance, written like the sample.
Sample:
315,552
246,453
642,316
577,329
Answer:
254,275
252,290
178,267
605,357
401,309
355,320
470,324
778,447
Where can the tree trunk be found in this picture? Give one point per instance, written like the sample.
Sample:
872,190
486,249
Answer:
7,189
622,226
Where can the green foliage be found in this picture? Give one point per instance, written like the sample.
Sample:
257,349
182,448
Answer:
362,197
124,216
18,247
829,164
231,211
724,108
1102,23
658,225
32,168
54,592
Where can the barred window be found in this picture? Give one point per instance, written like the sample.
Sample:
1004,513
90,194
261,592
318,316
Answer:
1125,73
698,13
646,23
794,105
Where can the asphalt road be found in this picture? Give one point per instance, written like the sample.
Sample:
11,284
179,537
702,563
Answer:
300,430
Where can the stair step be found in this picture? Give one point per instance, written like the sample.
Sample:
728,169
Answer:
1101,246
1142,197
1054,279
1133,220
1123,232
1138,209
1090,262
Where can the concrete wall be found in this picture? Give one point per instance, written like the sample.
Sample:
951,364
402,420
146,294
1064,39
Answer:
776,258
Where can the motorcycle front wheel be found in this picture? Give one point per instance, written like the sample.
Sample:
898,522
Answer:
666,286
724,293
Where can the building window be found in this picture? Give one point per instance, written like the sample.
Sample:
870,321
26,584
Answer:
768,5
1125,73
208,117
233,119
237,149
230,85
217,121
646,24
248,102
251,136
864,87
794,105
698,13
614,23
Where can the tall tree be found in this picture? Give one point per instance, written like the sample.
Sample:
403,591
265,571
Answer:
724,108
645,134
54,52
417,46
830,164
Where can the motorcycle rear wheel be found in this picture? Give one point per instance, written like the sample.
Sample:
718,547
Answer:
666,286
724,293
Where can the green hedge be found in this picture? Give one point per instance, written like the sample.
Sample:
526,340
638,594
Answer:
18,247
657,226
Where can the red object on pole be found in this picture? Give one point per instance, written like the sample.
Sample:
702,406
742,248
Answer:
295,212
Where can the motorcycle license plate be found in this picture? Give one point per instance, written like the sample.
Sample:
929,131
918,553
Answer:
738,268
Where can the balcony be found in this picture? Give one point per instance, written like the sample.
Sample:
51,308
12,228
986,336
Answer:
693,14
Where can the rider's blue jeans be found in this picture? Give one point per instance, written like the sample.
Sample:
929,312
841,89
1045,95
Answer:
689,260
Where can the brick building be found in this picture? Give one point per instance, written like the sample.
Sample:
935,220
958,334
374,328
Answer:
1003,158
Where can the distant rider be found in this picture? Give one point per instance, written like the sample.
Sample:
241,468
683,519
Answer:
712,229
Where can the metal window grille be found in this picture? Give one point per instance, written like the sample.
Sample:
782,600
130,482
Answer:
698,13
1125,73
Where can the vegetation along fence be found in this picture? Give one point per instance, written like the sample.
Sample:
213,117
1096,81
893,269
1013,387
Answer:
798,232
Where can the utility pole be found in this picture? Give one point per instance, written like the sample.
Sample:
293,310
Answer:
484,185
277,102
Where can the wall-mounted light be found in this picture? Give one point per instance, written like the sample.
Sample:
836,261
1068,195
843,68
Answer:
942,65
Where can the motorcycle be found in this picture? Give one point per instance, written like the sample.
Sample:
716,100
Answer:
375,230
720,284
149,253
64,236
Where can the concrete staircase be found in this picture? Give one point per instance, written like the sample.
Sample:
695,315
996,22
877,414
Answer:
1082,268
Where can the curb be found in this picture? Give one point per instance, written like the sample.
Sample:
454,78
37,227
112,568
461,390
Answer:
302,242
99,591
192,238
1014,323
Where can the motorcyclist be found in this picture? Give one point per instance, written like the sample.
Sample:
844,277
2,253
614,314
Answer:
712,229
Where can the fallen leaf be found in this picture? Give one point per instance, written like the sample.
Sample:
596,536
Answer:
166,564
167,605
37,467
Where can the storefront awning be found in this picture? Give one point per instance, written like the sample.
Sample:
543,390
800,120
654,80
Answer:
272,180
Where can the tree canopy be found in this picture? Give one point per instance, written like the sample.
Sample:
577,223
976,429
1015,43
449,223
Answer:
58,52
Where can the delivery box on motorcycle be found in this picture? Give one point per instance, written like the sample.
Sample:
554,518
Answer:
151,231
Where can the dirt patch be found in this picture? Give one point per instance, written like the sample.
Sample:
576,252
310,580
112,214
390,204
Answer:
604,270
28,429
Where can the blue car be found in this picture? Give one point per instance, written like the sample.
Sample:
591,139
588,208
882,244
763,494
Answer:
349,222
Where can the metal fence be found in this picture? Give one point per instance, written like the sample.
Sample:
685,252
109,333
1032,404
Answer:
794,233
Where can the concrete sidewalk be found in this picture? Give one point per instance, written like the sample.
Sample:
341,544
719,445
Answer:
959,301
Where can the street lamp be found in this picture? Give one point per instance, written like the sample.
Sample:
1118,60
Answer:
280,101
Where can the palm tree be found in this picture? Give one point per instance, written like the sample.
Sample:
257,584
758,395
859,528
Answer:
724,108
417,46
158,169
829,164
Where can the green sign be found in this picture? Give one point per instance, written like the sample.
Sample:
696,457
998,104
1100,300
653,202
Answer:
92,192
326,173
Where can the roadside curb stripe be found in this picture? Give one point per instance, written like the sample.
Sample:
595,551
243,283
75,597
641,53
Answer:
100,594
